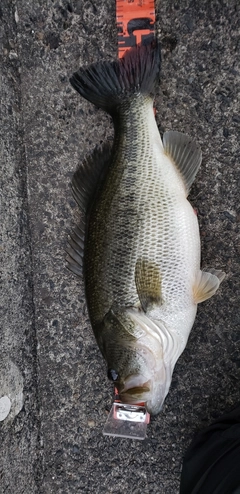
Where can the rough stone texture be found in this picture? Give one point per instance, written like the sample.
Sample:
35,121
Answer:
54,443
19,437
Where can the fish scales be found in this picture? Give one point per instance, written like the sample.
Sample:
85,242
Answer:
141,254
139,215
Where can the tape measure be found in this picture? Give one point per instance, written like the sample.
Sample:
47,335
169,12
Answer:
135,23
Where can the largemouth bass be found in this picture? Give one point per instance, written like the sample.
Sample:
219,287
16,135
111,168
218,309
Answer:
138,244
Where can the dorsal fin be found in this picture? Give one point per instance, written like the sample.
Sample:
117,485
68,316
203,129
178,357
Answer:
75,250
85,184
89,176
185,154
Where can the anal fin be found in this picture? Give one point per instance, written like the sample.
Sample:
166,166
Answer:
148,283
184,153
207,284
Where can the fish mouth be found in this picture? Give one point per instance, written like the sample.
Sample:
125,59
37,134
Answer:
135,393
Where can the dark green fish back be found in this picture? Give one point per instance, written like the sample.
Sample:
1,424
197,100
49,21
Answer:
122,88
115,232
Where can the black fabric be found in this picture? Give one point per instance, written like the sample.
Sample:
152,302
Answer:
212,462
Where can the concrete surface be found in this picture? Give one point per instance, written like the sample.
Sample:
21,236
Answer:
50,366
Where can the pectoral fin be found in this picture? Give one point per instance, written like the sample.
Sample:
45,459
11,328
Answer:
148,283
207,284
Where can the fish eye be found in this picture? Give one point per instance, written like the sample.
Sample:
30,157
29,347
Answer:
112,375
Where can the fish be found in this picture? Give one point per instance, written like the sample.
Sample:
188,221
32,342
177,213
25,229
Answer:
137,245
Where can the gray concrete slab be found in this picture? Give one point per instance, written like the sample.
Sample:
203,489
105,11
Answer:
54,443
19,432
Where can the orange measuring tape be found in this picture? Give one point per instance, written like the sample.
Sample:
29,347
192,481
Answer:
135,23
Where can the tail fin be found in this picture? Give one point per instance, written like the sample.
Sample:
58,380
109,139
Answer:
108,84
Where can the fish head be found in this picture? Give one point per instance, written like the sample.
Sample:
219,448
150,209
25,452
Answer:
134,353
